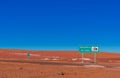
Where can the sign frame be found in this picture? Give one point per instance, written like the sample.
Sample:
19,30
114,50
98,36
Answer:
89,49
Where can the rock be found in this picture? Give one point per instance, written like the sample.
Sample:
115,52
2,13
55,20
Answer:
61,73
20,68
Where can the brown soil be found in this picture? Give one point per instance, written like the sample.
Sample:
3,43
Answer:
15,64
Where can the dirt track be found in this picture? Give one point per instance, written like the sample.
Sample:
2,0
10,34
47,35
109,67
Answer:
30,70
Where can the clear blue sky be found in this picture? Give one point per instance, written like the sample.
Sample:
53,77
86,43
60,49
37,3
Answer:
60,24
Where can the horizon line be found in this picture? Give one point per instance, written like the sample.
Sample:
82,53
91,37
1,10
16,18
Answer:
52,49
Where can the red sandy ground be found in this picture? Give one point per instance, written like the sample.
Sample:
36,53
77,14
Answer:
110,61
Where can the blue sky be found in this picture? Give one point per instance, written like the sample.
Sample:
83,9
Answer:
60,24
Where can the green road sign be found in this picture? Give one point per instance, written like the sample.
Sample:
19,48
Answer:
88,49
28,54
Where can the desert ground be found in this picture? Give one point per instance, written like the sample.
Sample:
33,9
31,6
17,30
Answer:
57,64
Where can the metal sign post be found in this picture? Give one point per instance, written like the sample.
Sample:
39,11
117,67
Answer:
89,49
82,58
95,58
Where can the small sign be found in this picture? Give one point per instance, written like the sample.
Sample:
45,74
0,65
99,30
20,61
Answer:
95,49
28,54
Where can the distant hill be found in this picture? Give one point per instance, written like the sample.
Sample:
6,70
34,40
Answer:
69,54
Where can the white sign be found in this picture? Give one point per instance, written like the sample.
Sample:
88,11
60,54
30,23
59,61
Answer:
95,49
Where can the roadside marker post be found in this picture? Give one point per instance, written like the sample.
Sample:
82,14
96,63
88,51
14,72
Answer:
28,55
89,49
